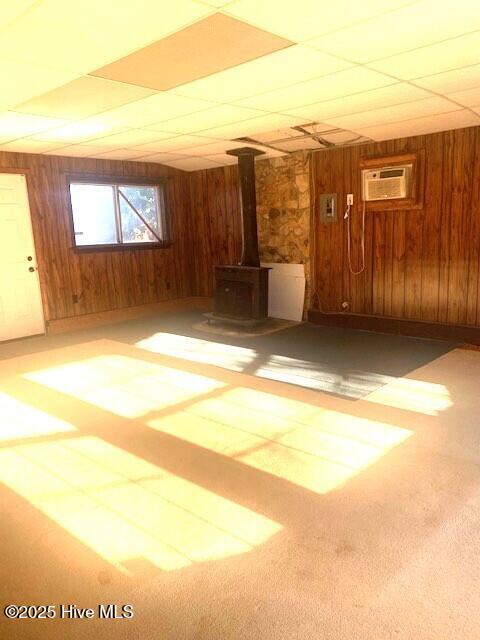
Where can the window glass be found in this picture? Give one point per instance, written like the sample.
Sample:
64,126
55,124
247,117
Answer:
113,214
137,203
93,211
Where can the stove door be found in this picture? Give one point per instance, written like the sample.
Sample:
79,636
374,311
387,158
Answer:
234,298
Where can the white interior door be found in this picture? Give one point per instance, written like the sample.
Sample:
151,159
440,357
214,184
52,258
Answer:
21,311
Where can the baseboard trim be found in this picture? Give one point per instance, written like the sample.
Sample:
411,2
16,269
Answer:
87,321
415,328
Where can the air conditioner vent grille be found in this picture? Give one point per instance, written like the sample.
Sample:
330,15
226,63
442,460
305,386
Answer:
386,188
387,183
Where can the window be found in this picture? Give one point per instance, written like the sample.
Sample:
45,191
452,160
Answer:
108,214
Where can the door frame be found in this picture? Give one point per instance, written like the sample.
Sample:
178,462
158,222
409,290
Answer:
27,173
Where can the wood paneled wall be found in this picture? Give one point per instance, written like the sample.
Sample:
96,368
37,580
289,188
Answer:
420,264
107,280
214,200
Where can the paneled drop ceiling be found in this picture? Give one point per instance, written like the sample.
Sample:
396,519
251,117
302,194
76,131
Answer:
180,82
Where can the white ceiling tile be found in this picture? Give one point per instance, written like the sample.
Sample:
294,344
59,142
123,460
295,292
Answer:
130,138
383,97
10,11
75,150
18,125
192,164
220,146
216,148
267,122
216,116
306,19
405,111
443,56
87,37
336,85
420,126
151,110
277,134
28,145
216,3
416,25
208,46
118,154
469,98
228,131
451,81
271,121
22,81
160,158
344,137
81,131
279,69
222,159
83,97
175,144
157,147
300,143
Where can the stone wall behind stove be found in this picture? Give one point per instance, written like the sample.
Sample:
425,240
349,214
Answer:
283,211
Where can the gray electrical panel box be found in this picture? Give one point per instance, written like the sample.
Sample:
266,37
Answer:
328,207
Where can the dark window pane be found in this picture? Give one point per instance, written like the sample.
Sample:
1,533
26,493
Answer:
93,214
144,201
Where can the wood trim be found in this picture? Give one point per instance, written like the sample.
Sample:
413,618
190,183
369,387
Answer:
126,246
377,162
399,326
87,321
96,178
418,180
20,171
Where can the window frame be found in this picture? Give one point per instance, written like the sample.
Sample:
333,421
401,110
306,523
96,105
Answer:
140,181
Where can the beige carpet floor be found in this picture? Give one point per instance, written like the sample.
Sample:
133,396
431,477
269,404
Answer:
224,506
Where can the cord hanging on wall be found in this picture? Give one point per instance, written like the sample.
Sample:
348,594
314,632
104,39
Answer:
348,217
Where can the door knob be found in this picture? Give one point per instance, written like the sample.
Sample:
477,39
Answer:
31,269
29,258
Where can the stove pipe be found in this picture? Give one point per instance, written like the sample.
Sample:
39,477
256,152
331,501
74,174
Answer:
248,204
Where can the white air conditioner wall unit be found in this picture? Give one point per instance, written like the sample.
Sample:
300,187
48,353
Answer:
387,183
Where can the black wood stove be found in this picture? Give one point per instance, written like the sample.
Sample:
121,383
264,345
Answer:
241,291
